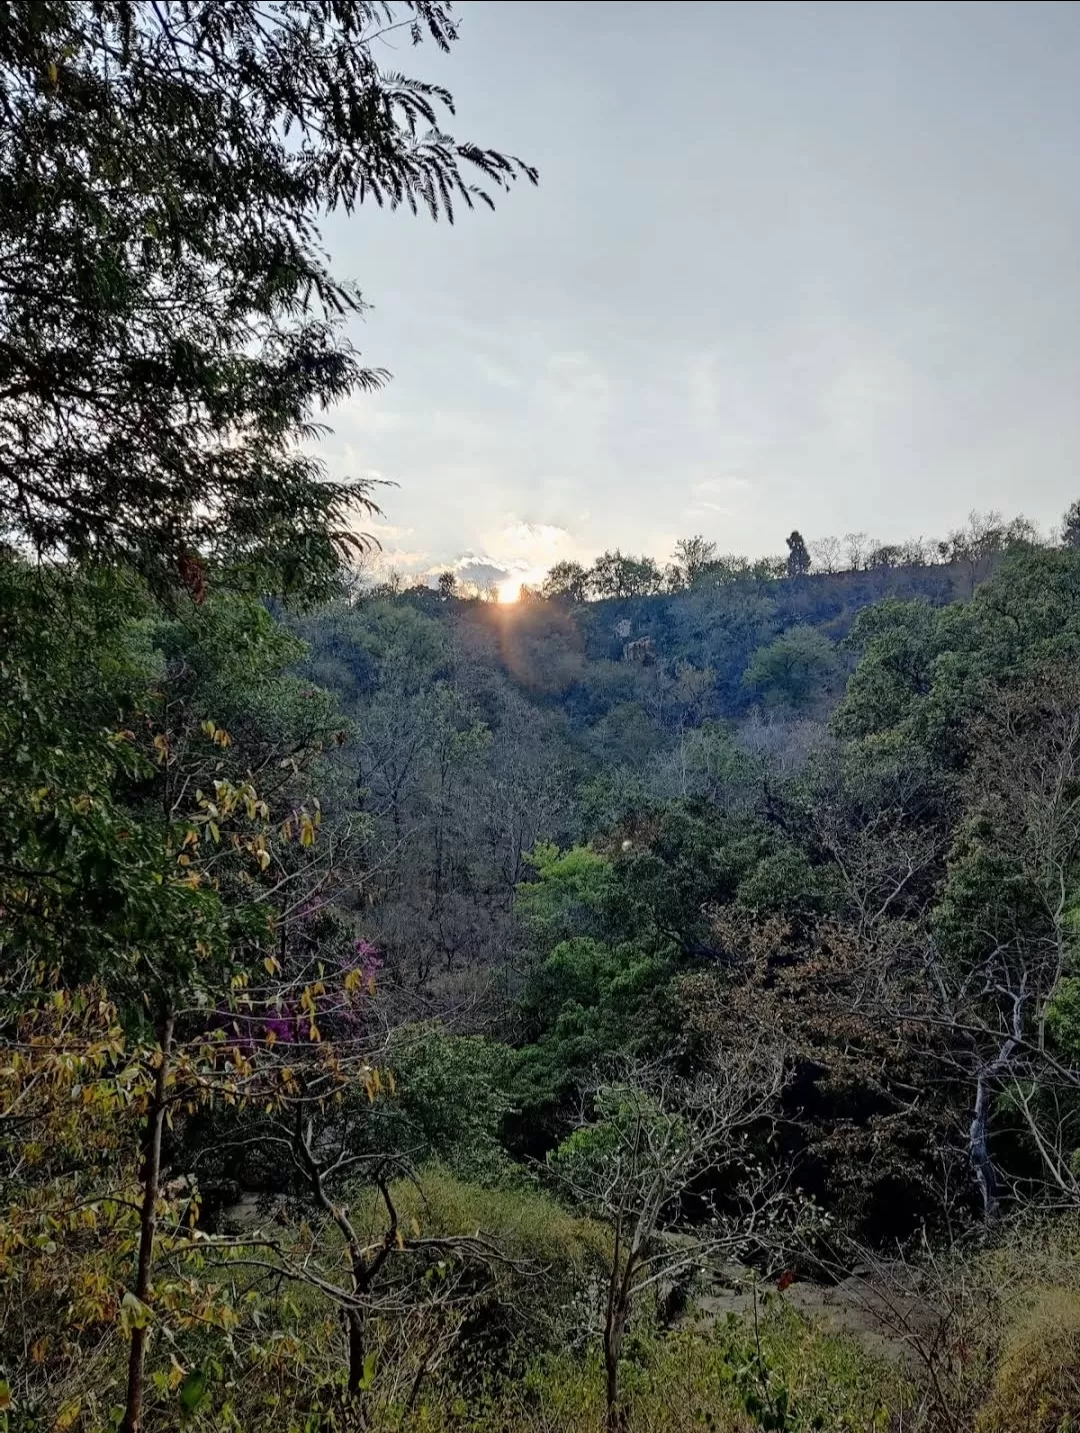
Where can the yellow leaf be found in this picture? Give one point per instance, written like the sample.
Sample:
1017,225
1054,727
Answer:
68,1414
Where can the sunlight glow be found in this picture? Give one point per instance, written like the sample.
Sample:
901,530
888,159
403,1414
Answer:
509,589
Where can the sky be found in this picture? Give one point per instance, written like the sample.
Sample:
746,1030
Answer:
789,265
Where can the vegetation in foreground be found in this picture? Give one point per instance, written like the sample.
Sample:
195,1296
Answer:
415,1014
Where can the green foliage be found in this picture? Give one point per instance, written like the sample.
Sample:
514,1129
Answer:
567,580
718,765
794,670
569,898
607,1154
1063,1016
896,645
798,559
157,385
926,671
1070,525
586,1001
615,574
692,858
88,874
451,1100
783,883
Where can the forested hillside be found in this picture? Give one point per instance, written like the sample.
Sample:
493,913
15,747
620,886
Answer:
419,1012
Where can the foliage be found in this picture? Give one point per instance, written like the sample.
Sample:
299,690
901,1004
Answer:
585,1002
798,559
1070,525
794,669
566,579
432,1068
166,167
569,897
615,574
1036,1385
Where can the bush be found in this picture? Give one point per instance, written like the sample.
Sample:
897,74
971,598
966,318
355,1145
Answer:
689,1381
1036,1387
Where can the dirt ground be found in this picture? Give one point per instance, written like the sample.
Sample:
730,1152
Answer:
863,1306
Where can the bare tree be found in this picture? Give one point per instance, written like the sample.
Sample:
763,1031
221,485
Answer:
651,1140
828,554
351,1245
856,545
872,817
995,969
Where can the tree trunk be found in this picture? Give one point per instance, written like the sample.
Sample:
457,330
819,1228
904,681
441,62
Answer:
356,1352
978,1134
615,1324
151,1183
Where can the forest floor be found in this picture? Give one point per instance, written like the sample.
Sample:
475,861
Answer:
886,1322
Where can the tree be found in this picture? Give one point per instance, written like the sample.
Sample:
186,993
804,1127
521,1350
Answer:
163,852
649,1140
794,669
885,555
447,585
798,560
1004,929
692,557
855,544
615,574
566,579
827,554
169,327
1070,525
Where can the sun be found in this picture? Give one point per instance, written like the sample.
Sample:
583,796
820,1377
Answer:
509,589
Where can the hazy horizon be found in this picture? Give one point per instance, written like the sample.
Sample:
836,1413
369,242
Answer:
788,265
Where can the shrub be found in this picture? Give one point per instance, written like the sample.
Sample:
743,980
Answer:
1036,1386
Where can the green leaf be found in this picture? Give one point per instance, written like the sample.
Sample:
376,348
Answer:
193,1389
369,1370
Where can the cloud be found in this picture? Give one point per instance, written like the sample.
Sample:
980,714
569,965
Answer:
522,543
518,549
724,509
478,570
728,484
389,533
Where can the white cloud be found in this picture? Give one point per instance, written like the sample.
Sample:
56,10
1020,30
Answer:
730,484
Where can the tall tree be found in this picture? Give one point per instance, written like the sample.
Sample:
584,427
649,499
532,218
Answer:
692,556
798,561
169,327
1070,525
566,579
617,574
